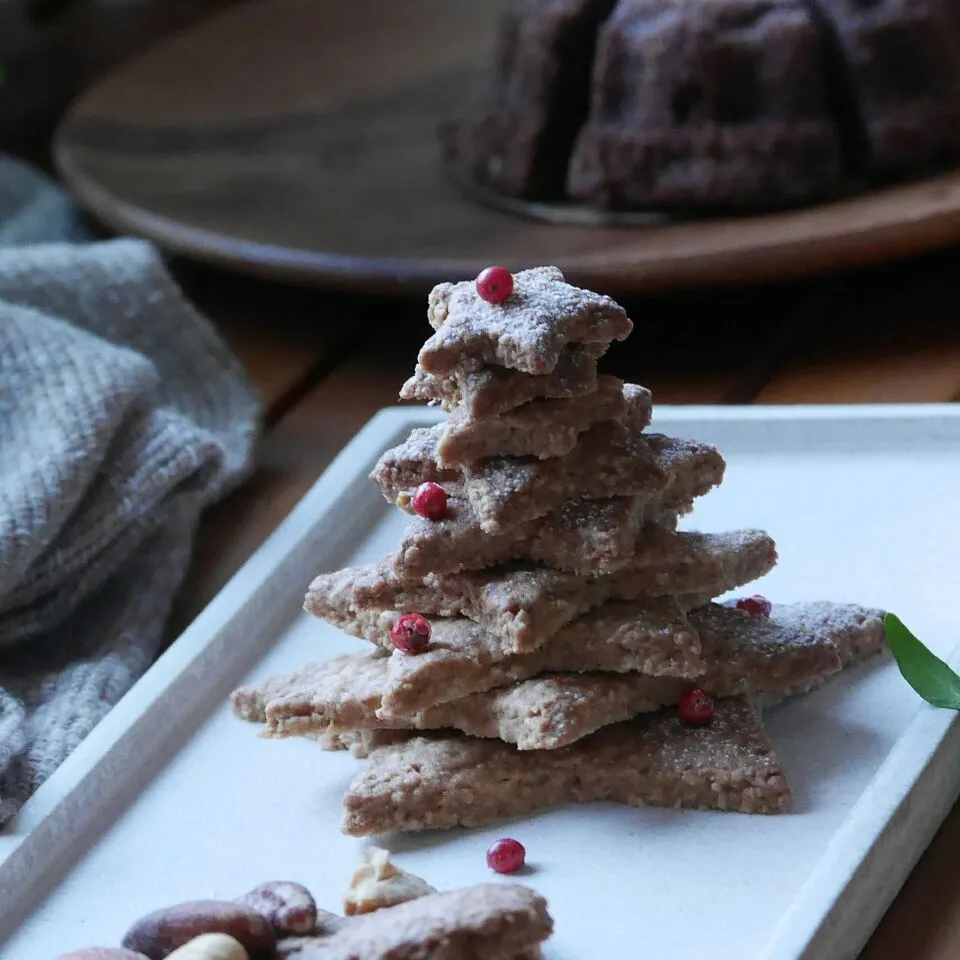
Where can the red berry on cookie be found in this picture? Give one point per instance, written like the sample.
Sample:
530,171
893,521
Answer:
495,284
430,501
410,632
695,707
756,606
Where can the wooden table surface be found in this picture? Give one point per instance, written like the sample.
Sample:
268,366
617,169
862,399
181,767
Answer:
325,364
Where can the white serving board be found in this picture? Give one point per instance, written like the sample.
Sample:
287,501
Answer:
171,798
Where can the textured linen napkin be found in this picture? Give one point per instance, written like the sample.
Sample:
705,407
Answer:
122,415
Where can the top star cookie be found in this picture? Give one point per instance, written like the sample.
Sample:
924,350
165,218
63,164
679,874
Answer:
528,331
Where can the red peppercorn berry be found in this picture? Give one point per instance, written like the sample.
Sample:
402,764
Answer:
696,707
756,606
410,632
430,501
495,284
506,856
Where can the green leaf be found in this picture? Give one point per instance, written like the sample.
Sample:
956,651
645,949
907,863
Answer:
924,671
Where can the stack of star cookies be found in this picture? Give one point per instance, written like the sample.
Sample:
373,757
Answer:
544,632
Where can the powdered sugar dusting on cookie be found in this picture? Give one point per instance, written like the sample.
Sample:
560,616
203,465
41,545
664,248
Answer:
608,460
559,596
445,780
554,696
856,631
489,390
542,428
526,332
583,536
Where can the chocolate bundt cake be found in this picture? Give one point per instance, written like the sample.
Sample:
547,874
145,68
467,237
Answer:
521,130
895,65
705,102
700,104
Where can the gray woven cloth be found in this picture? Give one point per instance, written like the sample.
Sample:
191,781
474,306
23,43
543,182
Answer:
122,415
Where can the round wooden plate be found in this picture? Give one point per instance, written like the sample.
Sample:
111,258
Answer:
297,139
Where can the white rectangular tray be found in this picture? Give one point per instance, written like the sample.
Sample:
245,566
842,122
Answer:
171,798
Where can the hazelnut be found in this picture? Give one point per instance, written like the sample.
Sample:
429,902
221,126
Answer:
289,907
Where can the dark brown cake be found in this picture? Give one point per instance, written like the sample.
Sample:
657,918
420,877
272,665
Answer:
707,103
896,68
700,104
520,132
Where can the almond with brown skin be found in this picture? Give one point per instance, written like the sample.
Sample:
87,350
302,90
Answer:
160,933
